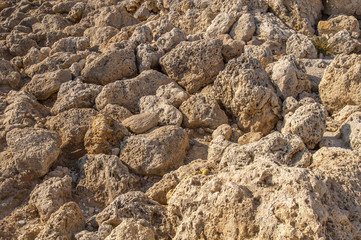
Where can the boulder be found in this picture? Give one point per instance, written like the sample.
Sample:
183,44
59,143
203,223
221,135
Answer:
148,56
334,7
8,75
342,42
70,44
19,43
244,28
116,112
157,152
99,36
114,16
173,93
338,23
351,131
142,122
171,39
301,46
221,24
262,53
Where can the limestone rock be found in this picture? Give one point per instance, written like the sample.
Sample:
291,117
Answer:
42,86
340,85
128,92
173,93
289,77
338,23
245,90
220,24
74,94
202,110
71,44
142,122
308,122
344,43
157,152
244,28
76,11
131,229
300,15
35,56
224,130
99,36
104,177
148,56
351,131
262,53
110,66
50,195
116,112
64,223
250,137
301,46
168,114
34,150
19,43
8,75
194,64
114,16
170,39
51,22
231,48
103,134
334,7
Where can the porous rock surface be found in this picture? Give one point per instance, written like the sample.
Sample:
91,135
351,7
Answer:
180,119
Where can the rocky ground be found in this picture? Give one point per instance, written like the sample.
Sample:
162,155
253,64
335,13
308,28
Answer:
180,119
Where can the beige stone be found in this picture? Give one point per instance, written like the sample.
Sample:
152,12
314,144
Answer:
142,122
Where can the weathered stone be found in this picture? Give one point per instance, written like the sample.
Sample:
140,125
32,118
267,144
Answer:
128,92
173,93
231,48
114,16
194,64
224,130
301,46
148,56
221,24
110,66
42,86
262,53
342,42
117,112
250,137
168,114
99,36
340,84
19,43
170,39
245,89
338,23
74,94
334,7
70,44
157,152
142,122
351,132
35,56
244,28
103,134
8,75
34,150
131,229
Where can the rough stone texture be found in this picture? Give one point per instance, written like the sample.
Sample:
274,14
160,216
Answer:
132,229
231,48
301,46
244,28
42,86
289,77
224,130
99,36
250,137
128,92
72,126
344,43
75,94
340,84
245,90
103,178
110,66
351,131
50,195
308,122
221,24
114,16
168,114
173,93
194,64
170,39
70,44
262,53
334,7
116,112
104,134
157,152
34,150
338,23
148,56
8,76
141,122
19,43
64,223
201,110
35,56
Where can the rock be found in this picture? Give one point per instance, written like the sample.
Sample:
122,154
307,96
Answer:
338,23
157,152
114,16
42,86
167,114
50,195
289,77
136,206
244,28
131,229
23,111
74,94
348,45
224,130
35,56
334,7
340,85
262,53
315,69
171,39
76,11
245,90
50,23
351,132
70,44
63,7
148,56
243,192
231,48
202,110
341,117
308,122
221,24
8,76
116,112
64,223
19,43
103,134
250,137
173,93
142,122
128,92
301,46
34,150
194,64
110,66
104,177
299,15
72,126
99,36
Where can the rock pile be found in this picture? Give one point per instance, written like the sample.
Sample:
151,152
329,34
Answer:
149,119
